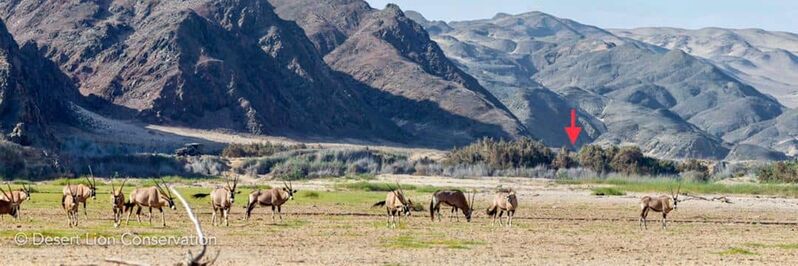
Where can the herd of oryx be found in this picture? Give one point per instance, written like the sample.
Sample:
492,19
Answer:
396,203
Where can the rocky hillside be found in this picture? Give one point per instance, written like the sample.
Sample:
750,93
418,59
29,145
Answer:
764,59
34,95
409,77
236,65
208,64
630,92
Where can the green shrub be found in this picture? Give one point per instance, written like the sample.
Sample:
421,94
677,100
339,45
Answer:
524,152
608,191
258,149
785,172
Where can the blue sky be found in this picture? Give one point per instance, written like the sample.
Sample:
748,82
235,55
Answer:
780,15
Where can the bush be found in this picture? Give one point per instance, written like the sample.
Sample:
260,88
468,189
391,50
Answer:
596,158
786,172
563,160
524,152
258,149
607,191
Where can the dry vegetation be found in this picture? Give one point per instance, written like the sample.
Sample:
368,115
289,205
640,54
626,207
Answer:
333,224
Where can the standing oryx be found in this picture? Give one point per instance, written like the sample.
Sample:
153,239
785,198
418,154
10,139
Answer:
70,204
83,192
152,197
19,196
658,204
505,200
118,201
9,204
222,199
453,198
274,197
397,204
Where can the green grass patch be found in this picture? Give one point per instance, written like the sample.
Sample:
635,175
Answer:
371,186
781,246
666,185
309,194
736,251
410,242
385,187
608,191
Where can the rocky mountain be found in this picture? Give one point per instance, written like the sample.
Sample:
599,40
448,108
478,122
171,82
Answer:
764,59
668,102
34,94
207,64
393,56
236,65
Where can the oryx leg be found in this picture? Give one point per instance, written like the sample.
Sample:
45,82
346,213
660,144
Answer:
390,216
163,216
664,218
273,210
84,209
213,217
150,215
138,213
643,214
280,212
249,210
129,212
226,213
501,213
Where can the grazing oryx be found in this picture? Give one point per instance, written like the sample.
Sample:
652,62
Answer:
8,204
274,197
222,199
505,200
118,201
658,204
396,204
453,198
70,204
19,196
83,191
152,197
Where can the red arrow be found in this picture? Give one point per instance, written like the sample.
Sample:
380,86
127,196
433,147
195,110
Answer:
573,131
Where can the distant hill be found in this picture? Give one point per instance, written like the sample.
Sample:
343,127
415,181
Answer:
670,103
764,59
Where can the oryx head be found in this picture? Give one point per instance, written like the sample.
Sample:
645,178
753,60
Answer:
407,204
163,188
92,185
28,190
675,196
232,188
470,206
289,188
116,193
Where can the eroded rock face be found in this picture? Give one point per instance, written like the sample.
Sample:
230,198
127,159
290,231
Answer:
34,94
406,74
229,64
234,64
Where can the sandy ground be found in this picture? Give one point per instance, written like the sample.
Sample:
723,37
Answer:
556,224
